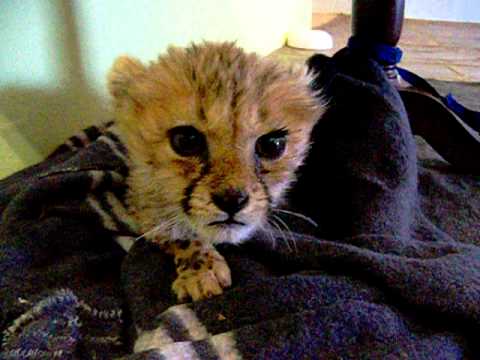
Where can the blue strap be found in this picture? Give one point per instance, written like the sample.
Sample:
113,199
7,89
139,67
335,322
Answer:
417,81
470,117
389,55
382,53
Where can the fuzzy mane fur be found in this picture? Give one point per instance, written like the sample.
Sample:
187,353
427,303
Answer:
232,98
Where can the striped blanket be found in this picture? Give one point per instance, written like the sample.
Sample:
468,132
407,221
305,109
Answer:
391,271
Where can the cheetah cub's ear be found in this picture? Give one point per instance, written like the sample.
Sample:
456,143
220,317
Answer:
122,80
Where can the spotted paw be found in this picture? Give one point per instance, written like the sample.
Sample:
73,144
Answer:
202,275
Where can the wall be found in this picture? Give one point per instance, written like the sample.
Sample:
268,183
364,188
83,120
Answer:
448,10
54,56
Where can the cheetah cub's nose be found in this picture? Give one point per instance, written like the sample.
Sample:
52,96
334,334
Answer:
231,200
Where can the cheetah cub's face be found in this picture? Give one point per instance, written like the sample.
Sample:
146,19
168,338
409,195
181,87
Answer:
214,136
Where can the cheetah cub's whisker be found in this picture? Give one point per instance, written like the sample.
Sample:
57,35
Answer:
214,137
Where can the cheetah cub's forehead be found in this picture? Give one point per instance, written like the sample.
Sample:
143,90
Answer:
214,134
214,83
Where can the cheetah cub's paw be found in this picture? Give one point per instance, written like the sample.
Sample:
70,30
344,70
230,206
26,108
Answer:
202,271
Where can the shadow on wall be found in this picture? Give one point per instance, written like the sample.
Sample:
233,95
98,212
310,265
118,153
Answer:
44,118
39,119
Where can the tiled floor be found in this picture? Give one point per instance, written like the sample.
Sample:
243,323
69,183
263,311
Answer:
433,49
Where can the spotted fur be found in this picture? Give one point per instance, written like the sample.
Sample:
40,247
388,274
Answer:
231,97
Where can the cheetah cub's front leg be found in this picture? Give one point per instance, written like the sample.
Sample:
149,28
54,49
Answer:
201,271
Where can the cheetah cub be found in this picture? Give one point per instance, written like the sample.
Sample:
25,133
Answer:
214,136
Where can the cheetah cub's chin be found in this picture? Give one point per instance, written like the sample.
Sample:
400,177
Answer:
214,137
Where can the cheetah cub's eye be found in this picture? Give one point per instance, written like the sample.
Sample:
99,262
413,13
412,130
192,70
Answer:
187,141
272,145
